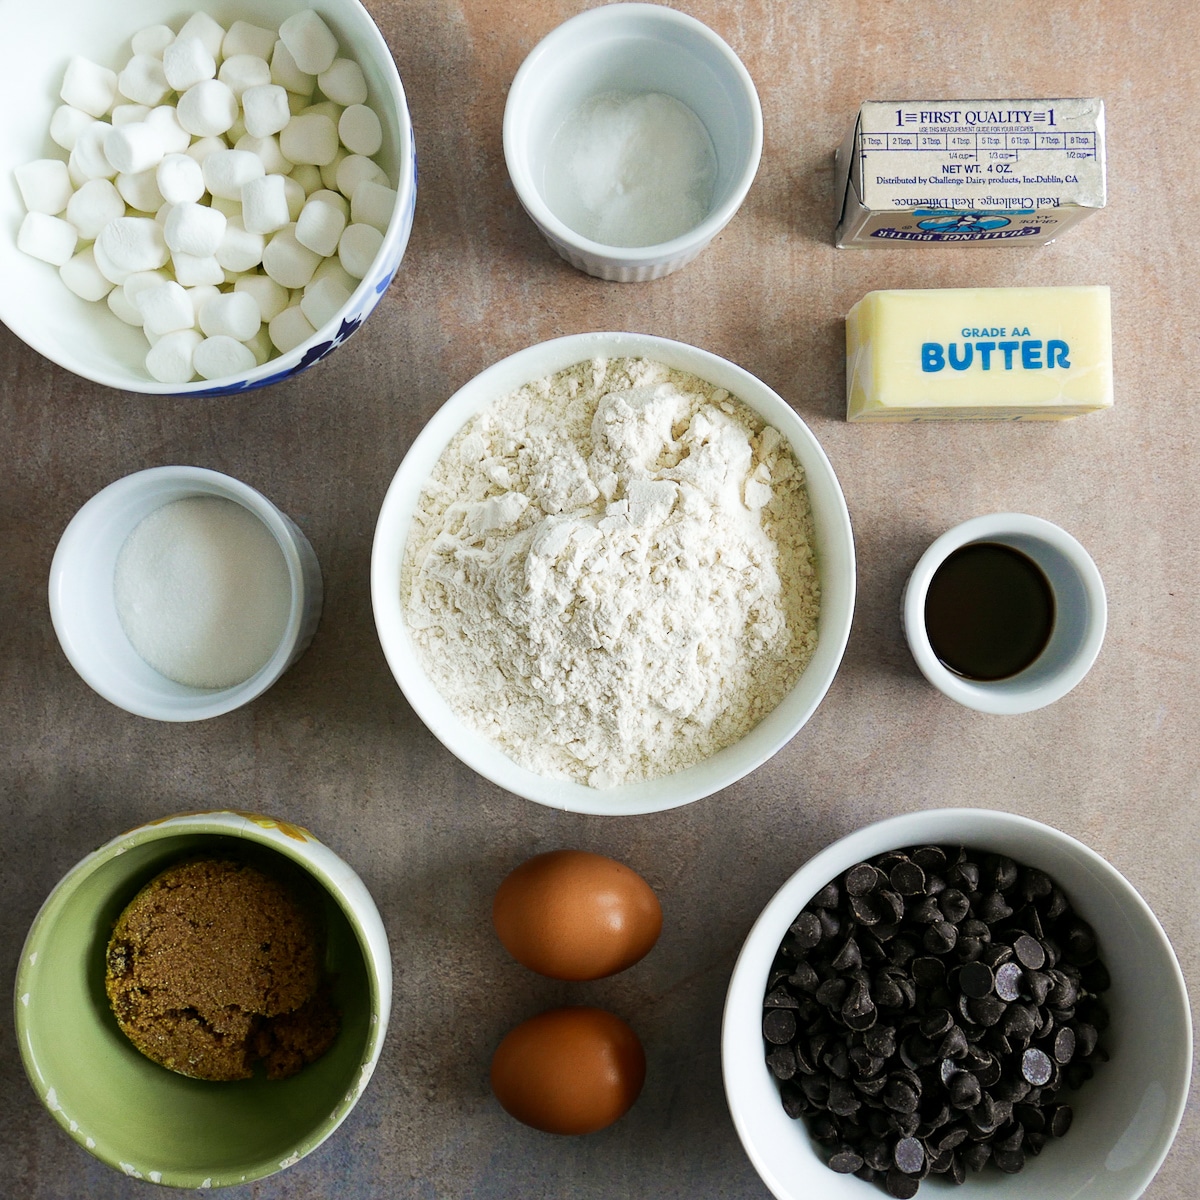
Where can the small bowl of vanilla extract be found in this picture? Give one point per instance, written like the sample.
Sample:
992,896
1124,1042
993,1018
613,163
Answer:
1005,613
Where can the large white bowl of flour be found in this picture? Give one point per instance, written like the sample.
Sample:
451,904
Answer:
468,725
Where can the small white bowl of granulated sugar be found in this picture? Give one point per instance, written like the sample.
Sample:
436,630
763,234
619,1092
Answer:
614,573
179,593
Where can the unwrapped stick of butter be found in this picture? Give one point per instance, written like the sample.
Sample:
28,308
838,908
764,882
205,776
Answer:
1007,354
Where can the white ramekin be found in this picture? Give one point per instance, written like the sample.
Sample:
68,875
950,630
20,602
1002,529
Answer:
1081,614
632,48
84,608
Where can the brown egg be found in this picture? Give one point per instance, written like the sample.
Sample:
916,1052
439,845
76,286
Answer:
569,1070
574,915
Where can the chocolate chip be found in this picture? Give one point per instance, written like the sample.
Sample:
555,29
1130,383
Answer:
1029,952
1061,1117
908,878
899,1185
827,897
782,1062
1009,1161
929,858
976,979
954,905
909,1155
780,998
865,909
779,1026
965,1091
846,1161
1008,981
940,937
805,931
861,879
1036,1067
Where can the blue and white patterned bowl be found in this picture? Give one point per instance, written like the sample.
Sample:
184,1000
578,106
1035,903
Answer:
87,338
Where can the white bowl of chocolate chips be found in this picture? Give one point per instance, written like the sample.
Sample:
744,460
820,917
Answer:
957,996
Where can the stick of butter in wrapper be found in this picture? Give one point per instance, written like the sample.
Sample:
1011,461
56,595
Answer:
1009,354
979,172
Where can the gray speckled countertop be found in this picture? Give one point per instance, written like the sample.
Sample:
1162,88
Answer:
335,747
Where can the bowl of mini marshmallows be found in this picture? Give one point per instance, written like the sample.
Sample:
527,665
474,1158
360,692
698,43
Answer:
614,573
951,996
199,203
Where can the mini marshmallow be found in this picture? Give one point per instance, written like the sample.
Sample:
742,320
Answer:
240,250
308,177
265,109
244,38
231,314
236,130
297,104
322,301
88,157
45,185
133,148
84,278
289,328
360,130
194,229
330,268
330,170
358,247
335,198
92,207
326,108
132,244
89,87
343,82
373,204
139,281
165,307
309,41
217,357
245,71
270,298
295,197
121,308
165,120
107,268
187,62
193,269
288,262
143,80
264,204
267,149
201,149
200,295
285,72
152,40
225,172
140,190
172,357
67,124
320,226
208,109
353,169
310,138
128,114
260,345
180,179
51,239
201,25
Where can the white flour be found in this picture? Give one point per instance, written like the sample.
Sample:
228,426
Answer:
609,573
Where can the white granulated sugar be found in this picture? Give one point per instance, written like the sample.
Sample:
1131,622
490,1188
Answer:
202,591
610,572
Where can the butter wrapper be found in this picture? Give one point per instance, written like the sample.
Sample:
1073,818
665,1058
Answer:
949,172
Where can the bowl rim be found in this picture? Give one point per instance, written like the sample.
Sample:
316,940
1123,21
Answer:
293,361
747,982
583,24
190,481
349,893
391,533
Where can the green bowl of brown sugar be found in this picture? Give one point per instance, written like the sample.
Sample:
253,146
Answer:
167,1125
